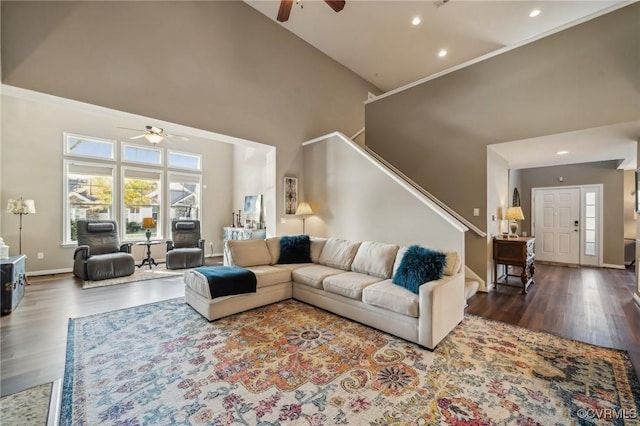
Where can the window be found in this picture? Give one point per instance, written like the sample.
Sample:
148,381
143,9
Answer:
183,160
590,224
88,195
141,193
103,187
184,196
83,146
142,155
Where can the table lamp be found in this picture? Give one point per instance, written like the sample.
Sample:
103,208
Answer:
304,210
148,222
514,214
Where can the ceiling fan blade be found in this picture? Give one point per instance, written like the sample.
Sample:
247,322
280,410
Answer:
137,137
182,138
129,128
285,10
336,5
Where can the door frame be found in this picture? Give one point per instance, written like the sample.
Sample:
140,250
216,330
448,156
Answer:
600,233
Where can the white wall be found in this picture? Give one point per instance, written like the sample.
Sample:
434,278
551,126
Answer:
31,167
498,200
254,172
355,200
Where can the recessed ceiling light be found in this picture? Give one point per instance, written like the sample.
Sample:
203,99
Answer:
534,13
442,53
416,20
562,152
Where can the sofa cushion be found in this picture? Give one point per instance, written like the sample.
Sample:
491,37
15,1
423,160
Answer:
314,275
293,266
338,253
295,249
273,244
248,252
375,259
386,295
267,275
419,265
453,264
348,284
317,244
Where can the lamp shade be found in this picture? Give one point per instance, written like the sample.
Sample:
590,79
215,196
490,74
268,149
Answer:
154,138
21,206
514,213
304,209
148,222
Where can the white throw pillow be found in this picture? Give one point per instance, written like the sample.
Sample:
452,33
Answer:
249,252
375,259
338,253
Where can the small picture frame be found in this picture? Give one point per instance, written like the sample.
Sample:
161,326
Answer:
290,195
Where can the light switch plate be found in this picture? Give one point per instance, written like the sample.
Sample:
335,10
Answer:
476,212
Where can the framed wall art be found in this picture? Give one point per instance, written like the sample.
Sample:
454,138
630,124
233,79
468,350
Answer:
290,195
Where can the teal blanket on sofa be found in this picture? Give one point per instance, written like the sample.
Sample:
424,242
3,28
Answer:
228,280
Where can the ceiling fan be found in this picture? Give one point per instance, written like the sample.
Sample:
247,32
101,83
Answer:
153,134
286,5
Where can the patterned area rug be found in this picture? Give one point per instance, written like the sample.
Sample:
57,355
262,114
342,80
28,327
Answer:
29,407
140,274
291,363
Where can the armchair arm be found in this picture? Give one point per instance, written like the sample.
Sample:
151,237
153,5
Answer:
84,251
201,244
169,245
126,247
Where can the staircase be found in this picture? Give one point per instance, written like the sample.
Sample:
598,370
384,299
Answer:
352,182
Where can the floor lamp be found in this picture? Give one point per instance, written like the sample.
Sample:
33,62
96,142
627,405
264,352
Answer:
21,207
304,210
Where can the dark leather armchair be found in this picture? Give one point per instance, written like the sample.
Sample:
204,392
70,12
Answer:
186,248
100,255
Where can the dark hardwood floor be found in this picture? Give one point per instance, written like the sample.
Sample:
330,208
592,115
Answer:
587,304
592,305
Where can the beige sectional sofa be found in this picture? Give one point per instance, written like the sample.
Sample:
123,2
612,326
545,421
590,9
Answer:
351,279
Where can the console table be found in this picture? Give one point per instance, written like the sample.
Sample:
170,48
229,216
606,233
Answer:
518,251
232,233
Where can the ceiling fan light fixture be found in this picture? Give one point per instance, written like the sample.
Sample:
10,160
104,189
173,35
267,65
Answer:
153,138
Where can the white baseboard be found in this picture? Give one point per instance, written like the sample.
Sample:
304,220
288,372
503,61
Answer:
55,403
636,298
214,255
49,272
611,266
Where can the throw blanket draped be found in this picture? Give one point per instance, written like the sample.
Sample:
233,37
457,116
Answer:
228,280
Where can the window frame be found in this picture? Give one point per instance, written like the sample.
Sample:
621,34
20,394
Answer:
66,152
171,177
66,217
160,220
125,145
192,154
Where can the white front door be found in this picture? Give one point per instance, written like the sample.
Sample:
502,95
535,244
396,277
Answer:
557,224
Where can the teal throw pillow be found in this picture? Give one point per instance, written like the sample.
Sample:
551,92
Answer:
295,249
419,265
